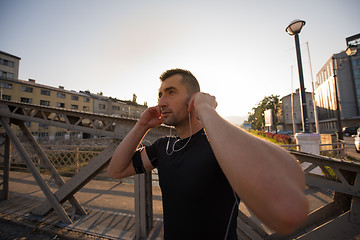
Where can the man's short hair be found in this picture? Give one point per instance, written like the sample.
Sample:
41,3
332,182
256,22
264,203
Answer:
188,79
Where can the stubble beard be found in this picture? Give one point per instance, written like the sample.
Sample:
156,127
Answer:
171,121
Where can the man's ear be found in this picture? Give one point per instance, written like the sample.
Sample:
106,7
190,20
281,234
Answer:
190,103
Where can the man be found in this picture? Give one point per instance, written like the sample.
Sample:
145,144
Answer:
203,173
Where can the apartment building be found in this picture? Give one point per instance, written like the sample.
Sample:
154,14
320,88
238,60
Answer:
9,66
14,89
289,115
112,106
39,94
340,74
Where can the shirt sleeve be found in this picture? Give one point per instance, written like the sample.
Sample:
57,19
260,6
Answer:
137,162
151,151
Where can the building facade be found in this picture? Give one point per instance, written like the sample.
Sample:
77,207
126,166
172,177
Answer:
290,115
13,89
115,107
9,66
340,75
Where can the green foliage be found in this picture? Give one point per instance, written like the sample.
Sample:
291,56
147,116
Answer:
257,118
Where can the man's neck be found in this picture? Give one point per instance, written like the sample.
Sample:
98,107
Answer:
186,131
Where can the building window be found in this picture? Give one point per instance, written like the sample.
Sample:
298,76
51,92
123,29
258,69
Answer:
6,62
60,95
5,85
45,92
26,100
356,72
6,97
27,89
43,125
86,99
86,108
74,134
358,91
60,105
356,62
74,106
43,134
115,107
60,134
28,124
6,75
44,103
73,97
102,106
357,81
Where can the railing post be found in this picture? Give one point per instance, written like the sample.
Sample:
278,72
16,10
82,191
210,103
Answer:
77,159
4,193
143,205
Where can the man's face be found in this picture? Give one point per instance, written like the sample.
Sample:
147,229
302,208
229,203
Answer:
173,101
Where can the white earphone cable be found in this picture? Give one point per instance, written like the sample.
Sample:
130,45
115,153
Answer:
173,146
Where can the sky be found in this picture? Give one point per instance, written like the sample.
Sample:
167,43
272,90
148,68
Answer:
238,50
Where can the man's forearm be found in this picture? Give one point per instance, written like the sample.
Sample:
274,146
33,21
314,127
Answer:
266,177
124,152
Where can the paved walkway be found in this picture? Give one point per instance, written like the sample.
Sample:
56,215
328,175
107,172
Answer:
105,195
110,206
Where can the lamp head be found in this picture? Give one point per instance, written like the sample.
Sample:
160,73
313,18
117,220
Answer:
351,50
295,27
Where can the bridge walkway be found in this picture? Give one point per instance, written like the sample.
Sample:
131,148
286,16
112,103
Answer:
338,218
110,207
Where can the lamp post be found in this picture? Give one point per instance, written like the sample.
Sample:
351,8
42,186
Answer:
294,29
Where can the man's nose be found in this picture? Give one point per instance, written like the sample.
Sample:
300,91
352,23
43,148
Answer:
162,102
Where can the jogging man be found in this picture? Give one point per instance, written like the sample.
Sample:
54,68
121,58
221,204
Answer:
210,165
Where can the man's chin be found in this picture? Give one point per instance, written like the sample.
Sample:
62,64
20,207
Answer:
169,122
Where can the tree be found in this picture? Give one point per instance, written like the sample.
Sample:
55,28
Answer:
256,118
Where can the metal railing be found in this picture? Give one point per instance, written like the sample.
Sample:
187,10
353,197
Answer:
333,150
67,159
337,220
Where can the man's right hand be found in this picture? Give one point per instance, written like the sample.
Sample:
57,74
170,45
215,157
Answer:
151,118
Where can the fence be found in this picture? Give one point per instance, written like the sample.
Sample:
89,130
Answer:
67,159
333,150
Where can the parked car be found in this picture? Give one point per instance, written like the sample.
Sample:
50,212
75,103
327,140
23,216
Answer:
357,141
348,131
284,132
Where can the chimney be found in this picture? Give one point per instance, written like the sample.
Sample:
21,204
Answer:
32,80
61,87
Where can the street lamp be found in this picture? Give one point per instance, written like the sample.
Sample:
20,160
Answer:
350,51
294,29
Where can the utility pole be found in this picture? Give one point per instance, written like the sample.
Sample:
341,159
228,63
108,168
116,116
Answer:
292,102
312,93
